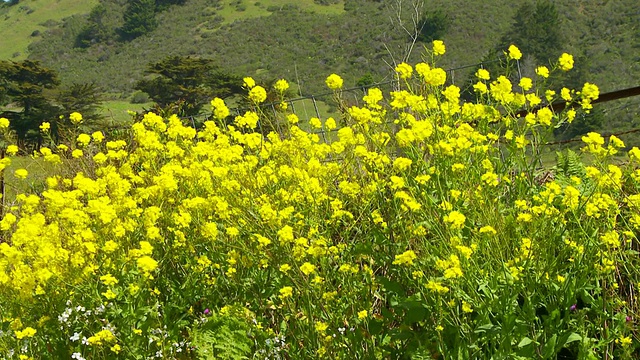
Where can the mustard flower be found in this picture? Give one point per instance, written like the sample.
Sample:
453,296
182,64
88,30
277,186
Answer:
220,110
307,268
77,153
565,94
466,307
488,230
45,126
315,123
285,267
452,93
624,341
437,287
147,264
480,87
330,124
98,136
21,173
545,115
590,91
438,47
374,95
286,292
76,118
525,83
83,139
334,82
7,221
258,94
455,219
248,82
514,53
363,314
281,85
108,280
611,239
321,327
293,119
482,74
406,258
542,71
404,70
109,246
103,336
566,62
25,333
109,294
4,123
249,119
12,149
402,163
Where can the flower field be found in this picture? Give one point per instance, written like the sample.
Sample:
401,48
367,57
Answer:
425,229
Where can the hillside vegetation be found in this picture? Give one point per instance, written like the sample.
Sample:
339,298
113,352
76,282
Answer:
305,40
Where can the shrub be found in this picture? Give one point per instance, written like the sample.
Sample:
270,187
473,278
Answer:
422,228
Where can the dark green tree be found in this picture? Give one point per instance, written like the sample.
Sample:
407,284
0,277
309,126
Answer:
163,4
139,19
433,26
190,82
24,84
536,31
85,98
95,30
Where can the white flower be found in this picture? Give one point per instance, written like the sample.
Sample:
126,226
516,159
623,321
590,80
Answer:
77,356
85,341
75,337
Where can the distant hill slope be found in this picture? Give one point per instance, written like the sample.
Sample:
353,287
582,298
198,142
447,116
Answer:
304,41
22,23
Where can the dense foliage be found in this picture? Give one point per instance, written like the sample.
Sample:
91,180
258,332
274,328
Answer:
422,228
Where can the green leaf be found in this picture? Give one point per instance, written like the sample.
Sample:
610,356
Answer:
484,328
415,314
550,347
573,337
375,327
524,342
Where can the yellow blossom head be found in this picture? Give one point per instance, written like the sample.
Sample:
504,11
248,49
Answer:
257,94
565,62
76,118
334,82
514,53
438,47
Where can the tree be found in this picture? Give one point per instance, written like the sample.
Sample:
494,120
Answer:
139,19
536,31
163,4
95,30
23,84
433,26
191,82
84,98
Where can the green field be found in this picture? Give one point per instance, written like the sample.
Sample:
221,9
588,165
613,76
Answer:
252,9
21,20
115,111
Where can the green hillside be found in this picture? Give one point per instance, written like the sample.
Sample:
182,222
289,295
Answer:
304,41
22,23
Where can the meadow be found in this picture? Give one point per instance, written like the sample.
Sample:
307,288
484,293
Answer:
424,229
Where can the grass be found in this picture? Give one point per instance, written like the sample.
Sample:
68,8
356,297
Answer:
21,20
38,170
115,111
255,9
